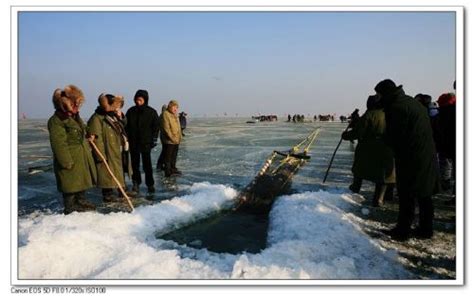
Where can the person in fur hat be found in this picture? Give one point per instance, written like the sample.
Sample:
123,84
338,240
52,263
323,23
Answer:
108,129
74,166
142,128
171,134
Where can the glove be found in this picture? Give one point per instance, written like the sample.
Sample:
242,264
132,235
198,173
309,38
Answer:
345,136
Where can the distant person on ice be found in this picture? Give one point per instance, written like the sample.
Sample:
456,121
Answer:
182,121
171,130
142,130
111,140
409,134
373,159
74,165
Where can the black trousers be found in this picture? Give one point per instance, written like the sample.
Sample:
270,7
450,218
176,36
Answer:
170,154
406,211
143,151
161,160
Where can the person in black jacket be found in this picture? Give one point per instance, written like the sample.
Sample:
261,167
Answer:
446,139
183,121
409,134
142,129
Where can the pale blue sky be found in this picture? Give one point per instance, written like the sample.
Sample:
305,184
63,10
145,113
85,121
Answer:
234,62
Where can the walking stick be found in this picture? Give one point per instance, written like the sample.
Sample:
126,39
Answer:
334,154
111,173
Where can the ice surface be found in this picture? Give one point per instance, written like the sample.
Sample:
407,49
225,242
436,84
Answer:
312,233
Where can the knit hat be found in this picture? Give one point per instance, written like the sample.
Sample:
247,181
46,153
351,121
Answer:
447,99
385,87
141,93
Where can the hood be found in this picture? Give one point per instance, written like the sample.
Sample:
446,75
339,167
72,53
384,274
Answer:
142,93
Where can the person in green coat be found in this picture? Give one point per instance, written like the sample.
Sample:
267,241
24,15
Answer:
111,140
409,134
73,163
373,159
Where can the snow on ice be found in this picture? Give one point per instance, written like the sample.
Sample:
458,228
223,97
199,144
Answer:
311,236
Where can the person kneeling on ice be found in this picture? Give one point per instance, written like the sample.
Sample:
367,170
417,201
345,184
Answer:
111,140
74,166
171,131
373,159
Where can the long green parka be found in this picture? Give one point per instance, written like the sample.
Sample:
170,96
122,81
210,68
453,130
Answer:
74,166
373,159
108,141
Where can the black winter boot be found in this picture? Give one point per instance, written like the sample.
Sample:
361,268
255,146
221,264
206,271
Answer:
136,188
378,195
68,199
130,193
108,195
389,192
356,184
151,189
82,204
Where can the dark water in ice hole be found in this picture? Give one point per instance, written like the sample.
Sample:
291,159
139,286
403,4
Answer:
229,232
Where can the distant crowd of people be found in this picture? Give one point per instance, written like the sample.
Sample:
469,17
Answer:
410,142
119,141
319,117
271,117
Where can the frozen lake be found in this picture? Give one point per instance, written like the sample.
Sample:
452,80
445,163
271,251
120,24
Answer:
185,234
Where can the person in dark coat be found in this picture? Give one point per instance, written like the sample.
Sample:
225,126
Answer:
142,130
354,117
373,159
73,163
446,138
182,122
409,134
160,164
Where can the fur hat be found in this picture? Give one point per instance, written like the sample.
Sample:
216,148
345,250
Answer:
110,102
173,103
65,99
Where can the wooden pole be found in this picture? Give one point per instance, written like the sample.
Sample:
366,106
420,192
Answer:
112,174
334,154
